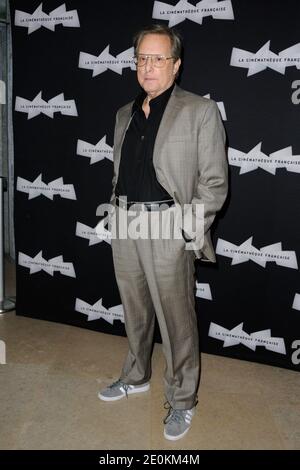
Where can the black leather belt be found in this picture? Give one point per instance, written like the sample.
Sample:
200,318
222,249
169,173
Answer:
145,206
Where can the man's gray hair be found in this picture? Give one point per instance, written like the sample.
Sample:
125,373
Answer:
175,38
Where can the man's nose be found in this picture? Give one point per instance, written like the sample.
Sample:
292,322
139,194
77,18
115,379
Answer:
149,64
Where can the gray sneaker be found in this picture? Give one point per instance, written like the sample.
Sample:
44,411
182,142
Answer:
119,389
177,423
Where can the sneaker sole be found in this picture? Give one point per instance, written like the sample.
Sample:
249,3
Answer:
175,438
144,388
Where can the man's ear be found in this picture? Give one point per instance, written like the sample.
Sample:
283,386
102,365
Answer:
176,66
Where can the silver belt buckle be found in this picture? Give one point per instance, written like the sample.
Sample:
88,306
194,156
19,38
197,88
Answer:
138,207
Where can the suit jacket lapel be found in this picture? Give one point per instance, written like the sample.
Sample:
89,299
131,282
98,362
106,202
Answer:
124,122
172,108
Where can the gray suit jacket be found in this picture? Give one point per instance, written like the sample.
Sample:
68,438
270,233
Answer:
189,157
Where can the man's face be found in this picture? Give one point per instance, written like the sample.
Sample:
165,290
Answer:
152,79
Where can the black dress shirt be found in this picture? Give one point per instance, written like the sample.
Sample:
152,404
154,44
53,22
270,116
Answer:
137,178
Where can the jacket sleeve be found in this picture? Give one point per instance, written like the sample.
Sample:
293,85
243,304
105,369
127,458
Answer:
212,185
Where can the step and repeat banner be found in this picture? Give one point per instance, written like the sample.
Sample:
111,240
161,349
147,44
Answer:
73,69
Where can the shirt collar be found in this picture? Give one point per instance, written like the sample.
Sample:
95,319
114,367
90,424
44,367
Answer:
159,100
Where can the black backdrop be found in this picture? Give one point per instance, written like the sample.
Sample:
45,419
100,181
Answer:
248,304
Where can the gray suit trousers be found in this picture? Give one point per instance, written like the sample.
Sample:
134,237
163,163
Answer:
156,277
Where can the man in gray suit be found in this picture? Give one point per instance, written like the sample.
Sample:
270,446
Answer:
169,153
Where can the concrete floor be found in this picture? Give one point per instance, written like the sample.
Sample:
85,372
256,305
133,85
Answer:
49,384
